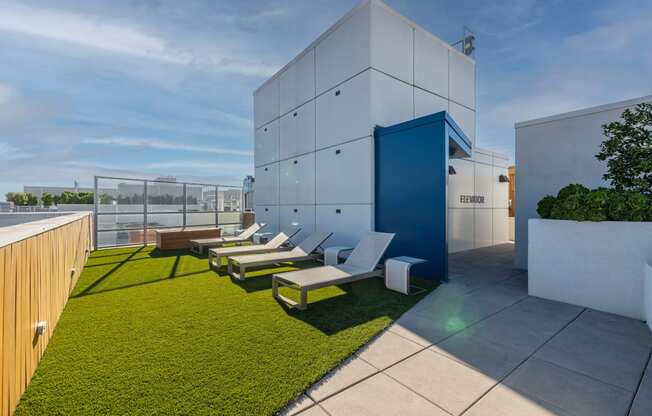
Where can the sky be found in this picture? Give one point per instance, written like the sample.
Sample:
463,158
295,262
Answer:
165,88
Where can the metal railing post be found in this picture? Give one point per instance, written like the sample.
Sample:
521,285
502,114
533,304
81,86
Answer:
145,218
185,204
96,200
217,217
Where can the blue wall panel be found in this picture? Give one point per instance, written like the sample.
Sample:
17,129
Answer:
411,163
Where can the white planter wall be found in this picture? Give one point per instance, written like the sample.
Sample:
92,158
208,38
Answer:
600,265
373,67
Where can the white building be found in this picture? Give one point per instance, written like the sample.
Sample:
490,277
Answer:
555,151
314,123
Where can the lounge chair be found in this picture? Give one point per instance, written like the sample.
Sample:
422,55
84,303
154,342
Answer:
275,244
361,264
305,250
198,246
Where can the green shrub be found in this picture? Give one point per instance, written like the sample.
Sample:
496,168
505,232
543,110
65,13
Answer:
578,203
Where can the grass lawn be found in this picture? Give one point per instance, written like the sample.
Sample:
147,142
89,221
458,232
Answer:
149,332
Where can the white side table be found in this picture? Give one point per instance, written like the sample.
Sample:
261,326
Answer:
332,255
397,274
261,238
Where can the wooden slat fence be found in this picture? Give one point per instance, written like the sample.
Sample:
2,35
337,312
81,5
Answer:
40,263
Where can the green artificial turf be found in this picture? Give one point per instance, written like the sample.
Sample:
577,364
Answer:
149,332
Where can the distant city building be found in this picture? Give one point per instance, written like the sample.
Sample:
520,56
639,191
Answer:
6,206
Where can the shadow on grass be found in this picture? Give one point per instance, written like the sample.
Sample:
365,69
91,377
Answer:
262,276
361,302
176,276
109,273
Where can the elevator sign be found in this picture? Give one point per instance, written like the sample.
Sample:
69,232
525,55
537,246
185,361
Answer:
471,199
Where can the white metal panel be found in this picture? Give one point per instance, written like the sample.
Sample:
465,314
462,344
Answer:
428,103
269,214
297,82
462,79
460,229
483,224
501,161
347,223
267,144
484,184
482,156
344,173
430,63
345,52
392,101
267,185
500,226
297,180
464,118
298,131
344,113
461,184
500,189
266,103
298,216
391,43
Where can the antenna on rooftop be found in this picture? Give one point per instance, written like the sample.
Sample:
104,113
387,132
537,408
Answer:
468,42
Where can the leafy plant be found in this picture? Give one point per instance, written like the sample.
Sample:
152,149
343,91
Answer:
47,199
628,150
21,198
577,203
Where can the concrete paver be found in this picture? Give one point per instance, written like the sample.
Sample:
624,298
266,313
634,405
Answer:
346,374
387,349
479,346
598,354
572,392
378,396
445,382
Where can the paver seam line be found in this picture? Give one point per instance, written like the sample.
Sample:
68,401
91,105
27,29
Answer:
461,330
523,362
317,402
638,387
425,348
586,375
322,408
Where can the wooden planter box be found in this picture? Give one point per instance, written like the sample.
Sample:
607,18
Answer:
179,238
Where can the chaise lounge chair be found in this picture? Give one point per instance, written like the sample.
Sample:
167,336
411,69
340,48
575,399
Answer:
274,245
302,252
361,264
198,246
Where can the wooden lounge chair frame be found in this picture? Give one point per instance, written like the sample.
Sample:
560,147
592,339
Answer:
197,246
361,264
276,244
304,251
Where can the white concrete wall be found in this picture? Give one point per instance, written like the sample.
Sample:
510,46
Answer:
600,265
648,294
555,151
314,124
476,225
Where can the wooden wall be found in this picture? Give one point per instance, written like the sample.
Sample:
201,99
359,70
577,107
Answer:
39,266
512,191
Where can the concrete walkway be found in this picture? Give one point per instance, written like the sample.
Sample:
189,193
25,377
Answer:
480,345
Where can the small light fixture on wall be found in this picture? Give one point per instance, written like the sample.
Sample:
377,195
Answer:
41,326
503,178
452,171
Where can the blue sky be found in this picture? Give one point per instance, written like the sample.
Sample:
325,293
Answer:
143,89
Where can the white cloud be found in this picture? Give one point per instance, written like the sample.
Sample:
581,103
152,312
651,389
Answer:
217,55
201,165
165,145
9,153
6,94
86,31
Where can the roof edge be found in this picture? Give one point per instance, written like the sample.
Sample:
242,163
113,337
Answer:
584,111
